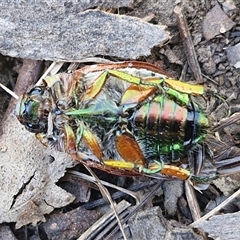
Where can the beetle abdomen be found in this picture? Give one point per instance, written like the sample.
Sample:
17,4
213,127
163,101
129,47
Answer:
165,130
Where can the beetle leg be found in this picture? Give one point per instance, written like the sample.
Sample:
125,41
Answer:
133,158
136,94
65,144
168,170
172,83
96,87
71,142
204,179
181,98
185,87
119,164
174,88
154,169
42,137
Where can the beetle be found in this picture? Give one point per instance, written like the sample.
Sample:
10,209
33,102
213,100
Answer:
126,118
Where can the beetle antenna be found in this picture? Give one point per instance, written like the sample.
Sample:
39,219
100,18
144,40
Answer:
9,91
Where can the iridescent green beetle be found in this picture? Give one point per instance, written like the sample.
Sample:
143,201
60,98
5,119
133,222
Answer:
125,118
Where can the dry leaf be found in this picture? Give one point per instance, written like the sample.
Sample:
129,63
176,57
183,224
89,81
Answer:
28,176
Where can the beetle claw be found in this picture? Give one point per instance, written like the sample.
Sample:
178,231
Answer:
154,168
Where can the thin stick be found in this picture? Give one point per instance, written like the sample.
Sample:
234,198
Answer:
188,44
192,201
53,69
9,91
193,204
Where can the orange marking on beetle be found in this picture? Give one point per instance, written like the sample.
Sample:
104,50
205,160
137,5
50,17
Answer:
180,113
95,88
69,140
92,143
153,117
167,113
137,94
129,149
174,171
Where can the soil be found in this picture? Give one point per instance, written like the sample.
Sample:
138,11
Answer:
218,56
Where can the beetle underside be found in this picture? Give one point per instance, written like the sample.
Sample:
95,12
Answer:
124,118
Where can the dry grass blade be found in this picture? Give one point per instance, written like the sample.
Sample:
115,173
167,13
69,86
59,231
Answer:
139,206
106,193
9,91
92,179
53,69
96,230
216,209
224,102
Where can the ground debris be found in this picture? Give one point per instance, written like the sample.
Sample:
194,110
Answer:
188,44
150,224
6,233
216,22
233,54
70,225
28,183
222,226
173,191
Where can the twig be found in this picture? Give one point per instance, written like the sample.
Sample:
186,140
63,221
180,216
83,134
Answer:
192,202
28,75
10,92
188,44
226,122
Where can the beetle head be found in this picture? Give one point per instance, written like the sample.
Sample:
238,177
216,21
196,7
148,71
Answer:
33,108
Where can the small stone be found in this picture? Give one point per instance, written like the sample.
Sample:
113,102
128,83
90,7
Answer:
233,54
204,54
221,67
228,5
209,67
216,22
